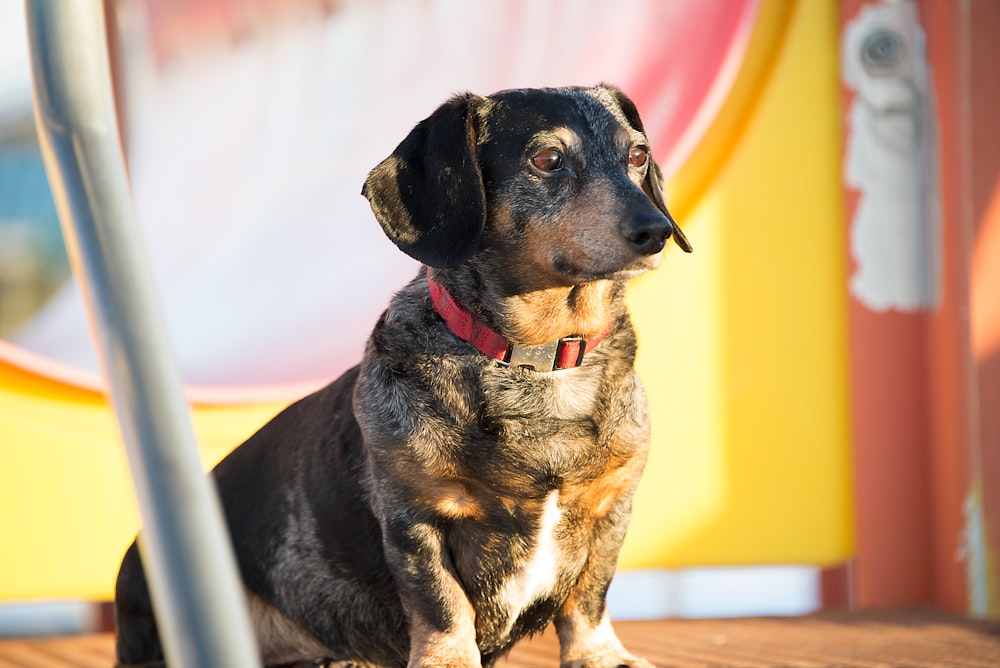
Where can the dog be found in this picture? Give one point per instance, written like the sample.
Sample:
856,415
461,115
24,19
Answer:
470,481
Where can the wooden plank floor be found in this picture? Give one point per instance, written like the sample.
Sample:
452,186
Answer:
832,640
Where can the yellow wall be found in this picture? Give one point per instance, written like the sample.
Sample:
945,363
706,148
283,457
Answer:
743,343
67,511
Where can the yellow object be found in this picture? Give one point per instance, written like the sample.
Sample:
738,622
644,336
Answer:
743,354
743,347
67,509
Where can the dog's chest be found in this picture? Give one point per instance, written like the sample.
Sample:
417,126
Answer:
537,576
568,394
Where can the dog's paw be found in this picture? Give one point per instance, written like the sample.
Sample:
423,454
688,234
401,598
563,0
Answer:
608,661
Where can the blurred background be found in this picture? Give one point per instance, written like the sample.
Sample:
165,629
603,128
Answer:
823,371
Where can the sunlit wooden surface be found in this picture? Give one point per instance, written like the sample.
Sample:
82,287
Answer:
914,639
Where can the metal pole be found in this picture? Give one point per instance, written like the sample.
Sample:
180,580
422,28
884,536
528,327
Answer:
199,602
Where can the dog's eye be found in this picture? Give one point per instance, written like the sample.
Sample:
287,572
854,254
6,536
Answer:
638,156
548,160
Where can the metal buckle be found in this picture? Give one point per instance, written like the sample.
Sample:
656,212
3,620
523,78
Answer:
538,358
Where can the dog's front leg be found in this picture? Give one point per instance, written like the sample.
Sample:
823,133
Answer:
586,639
589,642
441,618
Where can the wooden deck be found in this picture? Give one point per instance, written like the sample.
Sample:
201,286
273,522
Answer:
831,640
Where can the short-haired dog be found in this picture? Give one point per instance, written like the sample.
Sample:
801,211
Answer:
471,480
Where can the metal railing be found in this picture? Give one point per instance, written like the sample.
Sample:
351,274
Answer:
198,600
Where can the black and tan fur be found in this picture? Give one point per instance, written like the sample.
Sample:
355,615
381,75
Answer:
388,519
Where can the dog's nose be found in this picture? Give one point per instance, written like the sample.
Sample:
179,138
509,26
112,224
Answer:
647,232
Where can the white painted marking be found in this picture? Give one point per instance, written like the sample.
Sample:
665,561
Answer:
890,160
715,592
973,551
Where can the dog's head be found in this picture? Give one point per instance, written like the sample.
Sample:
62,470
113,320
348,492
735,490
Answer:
561,181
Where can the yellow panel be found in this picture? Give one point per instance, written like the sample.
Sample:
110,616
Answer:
743,355
66,504
743,344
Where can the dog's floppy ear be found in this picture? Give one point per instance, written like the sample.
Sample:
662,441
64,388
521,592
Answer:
652,185
428,195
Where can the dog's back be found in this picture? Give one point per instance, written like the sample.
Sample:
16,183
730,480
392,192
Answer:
307,544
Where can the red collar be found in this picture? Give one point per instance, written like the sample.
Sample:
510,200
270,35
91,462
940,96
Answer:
565,353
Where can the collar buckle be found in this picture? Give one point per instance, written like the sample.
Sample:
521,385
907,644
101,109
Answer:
547,356
536,358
